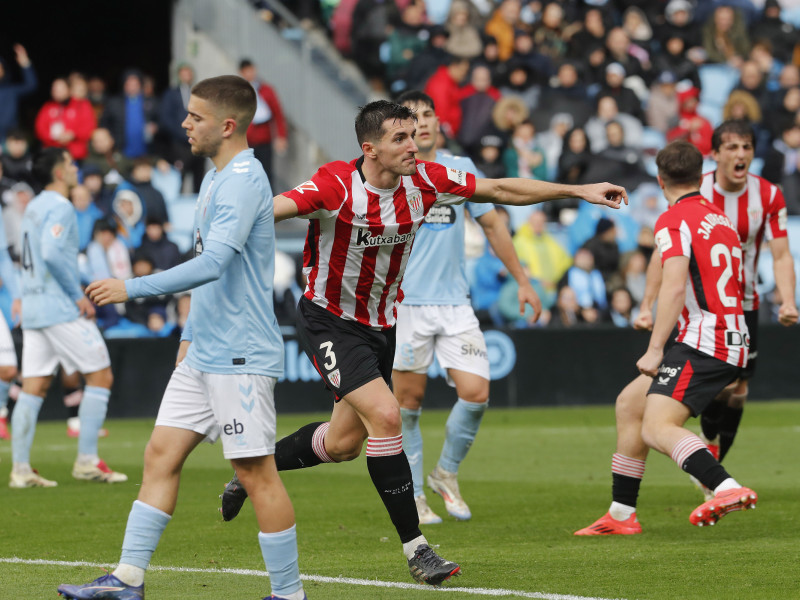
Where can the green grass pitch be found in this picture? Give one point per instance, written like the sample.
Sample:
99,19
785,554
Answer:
532,478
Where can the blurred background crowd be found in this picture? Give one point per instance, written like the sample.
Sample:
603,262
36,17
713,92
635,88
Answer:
572,91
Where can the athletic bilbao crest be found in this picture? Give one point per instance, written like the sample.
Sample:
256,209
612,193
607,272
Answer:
335,378
414,201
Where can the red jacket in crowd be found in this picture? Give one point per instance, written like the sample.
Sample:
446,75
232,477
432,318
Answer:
56,118
261,133
446,95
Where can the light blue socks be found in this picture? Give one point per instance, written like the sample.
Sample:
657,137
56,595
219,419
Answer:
412,446
280,557
23,426
92,413
460,431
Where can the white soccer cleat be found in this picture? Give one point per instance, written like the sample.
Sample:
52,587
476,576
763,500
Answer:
98,471
426,515
28,480
445,484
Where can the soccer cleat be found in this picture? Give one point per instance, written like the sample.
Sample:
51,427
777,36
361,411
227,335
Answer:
446,485
426,515
608,525
98,471
428,567
74,428
282,598
233,498
707,493
713,510
4,435
106,587
28,480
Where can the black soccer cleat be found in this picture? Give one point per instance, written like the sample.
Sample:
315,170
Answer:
428,567
232,499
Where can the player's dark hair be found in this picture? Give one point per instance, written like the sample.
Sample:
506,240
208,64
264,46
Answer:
232,94
415,97
45,162
733,127
680,163
370,119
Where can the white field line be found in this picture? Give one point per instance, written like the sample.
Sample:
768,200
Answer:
320,579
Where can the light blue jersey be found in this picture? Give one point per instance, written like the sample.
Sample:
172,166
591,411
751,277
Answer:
50,279
7,271
436,271
233,324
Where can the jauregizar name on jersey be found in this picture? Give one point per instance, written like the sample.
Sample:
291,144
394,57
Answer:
365,238
710,221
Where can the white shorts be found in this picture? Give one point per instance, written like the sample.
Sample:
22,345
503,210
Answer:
239,408
452,332
77,345
8,354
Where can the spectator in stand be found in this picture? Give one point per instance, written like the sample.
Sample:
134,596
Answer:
752,81
593,65
691,127
551,142
102,195
17,159
97,95
107,255
444,89
153,203
618,161
588,285
782,166
521,84
67,119
10,93
425,64
627,100
607,111
87,213
566,95
647,203
591,34
548,33
489,159
662,105
761,54
268,123
679,23
633,274
786,111
673,58
172,112
566,311
522,157
372,23
478,99
508,112
575,158
545,259
406,40
491,58
639,30
150,311
131,118
782,35
128,213
504,22
621,308
106,157
540,67
164,253
604,248
621,50
465,37
725,37
742,106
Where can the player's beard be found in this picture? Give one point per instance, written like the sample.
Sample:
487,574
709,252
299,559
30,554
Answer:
208,149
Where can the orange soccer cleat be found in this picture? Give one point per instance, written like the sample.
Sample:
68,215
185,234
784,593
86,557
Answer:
711,511
608,525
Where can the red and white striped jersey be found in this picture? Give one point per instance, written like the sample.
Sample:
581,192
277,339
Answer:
758,213
360,237
712,319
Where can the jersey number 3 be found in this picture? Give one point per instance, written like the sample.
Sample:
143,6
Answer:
718,252
329,355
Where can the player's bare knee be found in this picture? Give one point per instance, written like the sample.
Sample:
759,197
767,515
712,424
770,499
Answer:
102,379
8,373
344,449
476,393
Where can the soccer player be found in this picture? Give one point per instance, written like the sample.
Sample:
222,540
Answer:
758,210
702,289
231,352
363,217
8,354
54,329
436,315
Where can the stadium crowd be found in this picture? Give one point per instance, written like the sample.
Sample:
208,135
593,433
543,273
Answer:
563,91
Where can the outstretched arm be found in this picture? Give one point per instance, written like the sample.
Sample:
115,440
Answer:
500,240
521,192
785,281
284,208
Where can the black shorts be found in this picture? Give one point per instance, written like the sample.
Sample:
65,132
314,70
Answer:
751,318
345,353
692,377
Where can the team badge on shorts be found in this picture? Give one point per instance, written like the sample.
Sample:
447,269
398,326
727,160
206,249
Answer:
414,201
335,378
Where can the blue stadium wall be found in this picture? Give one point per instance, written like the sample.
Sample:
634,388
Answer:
529,368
